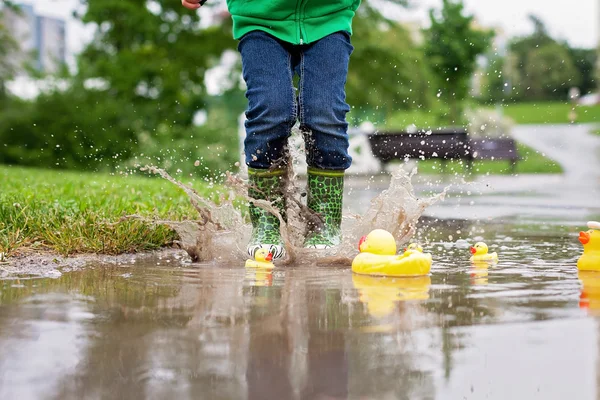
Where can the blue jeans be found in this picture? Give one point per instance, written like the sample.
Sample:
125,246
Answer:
268,66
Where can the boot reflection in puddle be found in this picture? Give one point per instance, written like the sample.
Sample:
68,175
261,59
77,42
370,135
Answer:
274,373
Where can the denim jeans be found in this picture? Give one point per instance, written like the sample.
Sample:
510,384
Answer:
274,105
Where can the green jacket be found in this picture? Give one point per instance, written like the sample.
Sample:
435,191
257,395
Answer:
293,21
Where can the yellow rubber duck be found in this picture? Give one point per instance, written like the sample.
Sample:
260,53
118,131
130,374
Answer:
412,248
480,253
378,257
262,259
381,294
590,259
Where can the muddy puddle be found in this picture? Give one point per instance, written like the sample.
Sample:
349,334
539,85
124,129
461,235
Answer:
163,327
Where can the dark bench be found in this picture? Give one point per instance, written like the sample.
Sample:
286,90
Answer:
496,149
443,144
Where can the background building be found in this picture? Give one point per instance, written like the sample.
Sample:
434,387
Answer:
41,39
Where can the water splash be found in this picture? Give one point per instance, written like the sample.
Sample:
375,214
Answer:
222,231
397,210
218,232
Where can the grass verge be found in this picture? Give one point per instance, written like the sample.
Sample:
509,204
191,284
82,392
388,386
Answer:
550,113
520,113
76,212
531,162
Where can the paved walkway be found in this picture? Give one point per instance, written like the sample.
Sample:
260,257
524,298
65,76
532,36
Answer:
574,147
570,198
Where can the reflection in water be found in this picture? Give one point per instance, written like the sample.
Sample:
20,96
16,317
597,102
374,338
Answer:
382,294
590,291
479,272
206,332
259,277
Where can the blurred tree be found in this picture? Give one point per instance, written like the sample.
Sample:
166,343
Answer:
141,78
526,49
521,47
585,61
154,55
597,75
76,128
452,46
495,82
550,72
387,72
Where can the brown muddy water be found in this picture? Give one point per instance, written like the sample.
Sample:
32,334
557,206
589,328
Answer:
165,328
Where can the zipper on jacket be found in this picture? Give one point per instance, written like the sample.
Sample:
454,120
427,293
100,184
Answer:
299,20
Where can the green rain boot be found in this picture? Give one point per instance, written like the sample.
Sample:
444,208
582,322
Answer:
325,193
266,185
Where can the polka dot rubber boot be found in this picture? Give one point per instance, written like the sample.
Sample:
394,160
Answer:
265,185
325,194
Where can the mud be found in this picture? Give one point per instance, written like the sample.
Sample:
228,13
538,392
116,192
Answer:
50,265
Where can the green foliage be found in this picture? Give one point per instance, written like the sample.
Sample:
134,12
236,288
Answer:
585,60
154,56
597,69
550,73
84,129
539,67
138,86
387,71
494,83
452,46
76,128
521,47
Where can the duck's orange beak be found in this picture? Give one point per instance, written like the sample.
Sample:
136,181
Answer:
361,241
269,257
473,251
584,237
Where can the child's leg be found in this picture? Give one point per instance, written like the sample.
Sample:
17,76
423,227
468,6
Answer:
323,108
267,70
271,114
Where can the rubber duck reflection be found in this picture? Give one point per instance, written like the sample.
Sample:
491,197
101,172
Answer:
479,272
381,294
590,291
259,277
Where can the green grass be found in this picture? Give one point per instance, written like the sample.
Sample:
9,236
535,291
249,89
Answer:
520,113
531,162
76,212
550,113
597,131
